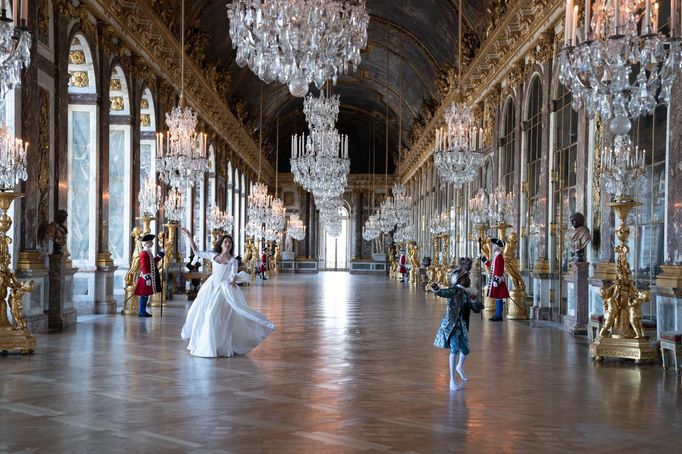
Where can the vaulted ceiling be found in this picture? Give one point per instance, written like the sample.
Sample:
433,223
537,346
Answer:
409,41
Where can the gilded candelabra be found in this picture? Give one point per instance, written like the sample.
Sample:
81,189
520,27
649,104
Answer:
484,248
444,271
517,309
622,335
13,336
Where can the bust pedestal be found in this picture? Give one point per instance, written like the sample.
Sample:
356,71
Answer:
61,313
577,313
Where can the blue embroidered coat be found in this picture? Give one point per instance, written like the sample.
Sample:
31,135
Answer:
453,322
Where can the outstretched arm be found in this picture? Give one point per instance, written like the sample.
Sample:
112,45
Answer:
188,234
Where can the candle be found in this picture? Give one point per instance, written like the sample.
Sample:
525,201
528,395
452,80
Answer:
645,22
656,17
574,25
24,11
615,17
567,22
673,17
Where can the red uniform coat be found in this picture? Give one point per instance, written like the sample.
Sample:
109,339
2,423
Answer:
264,264
497,276
149,281
403,262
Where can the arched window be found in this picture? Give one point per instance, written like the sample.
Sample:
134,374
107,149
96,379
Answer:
242,209
532,130
119,170
563,173
647,235
336,248
147,137
82,158
211,190
236,209
507,145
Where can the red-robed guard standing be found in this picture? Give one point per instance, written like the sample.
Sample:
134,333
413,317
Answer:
149,281
497,287
403,265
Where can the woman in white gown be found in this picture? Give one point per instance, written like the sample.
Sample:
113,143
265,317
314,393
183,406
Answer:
219,323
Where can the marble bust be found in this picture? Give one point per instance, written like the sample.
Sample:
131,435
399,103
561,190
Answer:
581,236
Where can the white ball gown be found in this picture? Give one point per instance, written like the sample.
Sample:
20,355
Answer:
219,323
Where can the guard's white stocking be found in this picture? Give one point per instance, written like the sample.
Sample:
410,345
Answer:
453,385
460,366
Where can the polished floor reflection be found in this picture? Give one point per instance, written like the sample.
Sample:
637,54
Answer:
350,368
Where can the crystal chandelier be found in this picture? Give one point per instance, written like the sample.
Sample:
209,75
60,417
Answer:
276,215
404,234
370,230
149,197
441,224
395,210
319,162
298,41
220,221
181,158
15,47
456,153
295,228
258,204
479,208
501,206
173,205
12,159
623,168
253,229
619,64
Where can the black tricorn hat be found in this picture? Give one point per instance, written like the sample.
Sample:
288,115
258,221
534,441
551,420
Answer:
497,242
148,237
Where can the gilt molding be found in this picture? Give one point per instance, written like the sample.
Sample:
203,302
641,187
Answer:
516,36
145,34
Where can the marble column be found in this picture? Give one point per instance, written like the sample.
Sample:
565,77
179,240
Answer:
668,288
104,274
34,126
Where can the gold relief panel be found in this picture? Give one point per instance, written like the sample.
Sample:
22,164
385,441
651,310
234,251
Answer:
117,103
145,120
79,79
144,104
43,28
289,198
76,57
115,85
75,41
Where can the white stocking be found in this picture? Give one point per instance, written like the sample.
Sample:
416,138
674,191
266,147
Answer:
460,366
453,384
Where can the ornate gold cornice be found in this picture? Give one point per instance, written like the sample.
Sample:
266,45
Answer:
146,34
507,43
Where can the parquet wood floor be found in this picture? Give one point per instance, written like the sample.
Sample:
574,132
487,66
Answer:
350,368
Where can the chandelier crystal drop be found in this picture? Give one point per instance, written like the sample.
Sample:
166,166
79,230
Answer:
404,234
173,205
623,66
321,112
15,51
370,230
297,42
276,215
295,228
149,197
220,221
258,204
12,159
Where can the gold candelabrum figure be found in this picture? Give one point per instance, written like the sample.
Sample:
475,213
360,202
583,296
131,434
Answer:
415,265
132,302
249,257
276,257
168,240
444,271
484,248
517,308
622,335
434,268
13,336
392,264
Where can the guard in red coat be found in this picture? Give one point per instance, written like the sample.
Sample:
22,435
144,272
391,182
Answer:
497,287
149,281
264,264
403,265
